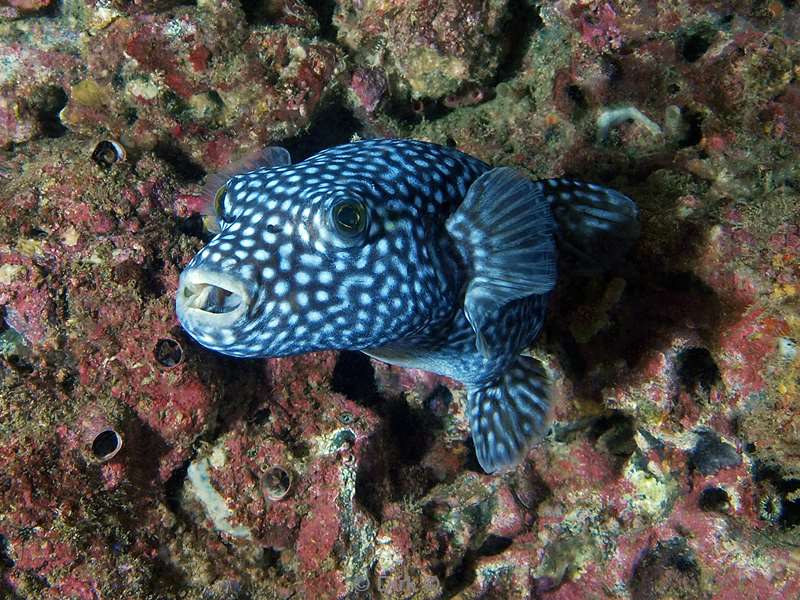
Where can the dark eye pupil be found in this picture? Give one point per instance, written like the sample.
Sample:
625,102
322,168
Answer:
348,216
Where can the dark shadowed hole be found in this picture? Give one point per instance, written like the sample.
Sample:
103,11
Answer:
270,558
462,576
615,432
325,10
370,480
407,426
693,44
577,97
694,129
260,417
49,101
697,370
193,226
256,12
174,485
523,21
790,515
711,454
185,168
714,499
106,443
150,284
333,124
612,68
354,376
168,352
471,463
494,544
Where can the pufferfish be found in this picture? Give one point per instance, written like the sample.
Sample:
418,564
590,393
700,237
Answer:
416,254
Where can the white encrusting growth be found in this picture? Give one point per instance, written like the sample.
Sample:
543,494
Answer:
609,118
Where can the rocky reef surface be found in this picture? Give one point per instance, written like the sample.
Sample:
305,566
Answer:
135,464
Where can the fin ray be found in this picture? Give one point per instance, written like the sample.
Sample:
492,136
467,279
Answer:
505,229
509,415
596,225
271,156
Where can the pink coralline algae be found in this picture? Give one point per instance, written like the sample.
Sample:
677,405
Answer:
135,464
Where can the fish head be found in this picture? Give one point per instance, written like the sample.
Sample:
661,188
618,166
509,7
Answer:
295,269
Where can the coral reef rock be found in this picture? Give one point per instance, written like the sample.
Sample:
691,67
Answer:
135,464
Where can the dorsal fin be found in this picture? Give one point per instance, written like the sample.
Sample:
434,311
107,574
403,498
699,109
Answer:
271,156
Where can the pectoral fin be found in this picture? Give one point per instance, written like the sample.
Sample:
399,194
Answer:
505,230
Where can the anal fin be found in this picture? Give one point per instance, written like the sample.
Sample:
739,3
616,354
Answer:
509,415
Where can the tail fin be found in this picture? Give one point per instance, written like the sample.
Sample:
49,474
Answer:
509,415
595,224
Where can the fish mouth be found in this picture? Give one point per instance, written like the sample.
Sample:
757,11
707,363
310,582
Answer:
210,298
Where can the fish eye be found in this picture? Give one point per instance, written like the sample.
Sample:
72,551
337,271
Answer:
219,204
349,217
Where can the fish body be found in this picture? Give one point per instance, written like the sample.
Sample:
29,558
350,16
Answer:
417,254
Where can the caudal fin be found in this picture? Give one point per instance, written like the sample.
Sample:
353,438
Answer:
595,225
509,415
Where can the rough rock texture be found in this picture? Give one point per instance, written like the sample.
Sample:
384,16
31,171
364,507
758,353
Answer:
673,467
196,83
427,48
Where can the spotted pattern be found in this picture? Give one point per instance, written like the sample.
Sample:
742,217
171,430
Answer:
394,287
506,417
311,291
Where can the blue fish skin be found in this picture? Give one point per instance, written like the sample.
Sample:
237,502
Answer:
414,253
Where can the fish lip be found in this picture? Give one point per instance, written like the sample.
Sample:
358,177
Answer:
207,281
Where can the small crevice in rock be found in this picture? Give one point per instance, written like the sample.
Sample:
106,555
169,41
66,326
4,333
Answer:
49,100
173,487
524,20
694,43
5,558
325,10
333,124
354,377
668,570
256,12
193,227
493,545
693,133
186,170
714,499
615,432
710,453
697,371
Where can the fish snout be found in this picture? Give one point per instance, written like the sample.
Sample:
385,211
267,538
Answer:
210,299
